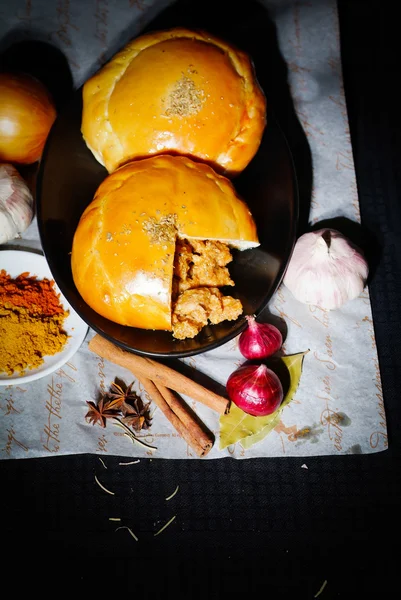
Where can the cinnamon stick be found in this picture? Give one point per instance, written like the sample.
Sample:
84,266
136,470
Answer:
190,420
158,373
185,425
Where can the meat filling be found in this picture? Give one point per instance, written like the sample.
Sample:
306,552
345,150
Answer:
199,271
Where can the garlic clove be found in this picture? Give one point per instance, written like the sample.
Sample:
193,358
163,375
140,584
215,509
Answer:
326,269
16,204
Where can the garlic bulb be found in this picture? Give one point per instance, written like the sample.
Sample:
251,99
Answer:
16,204
326,269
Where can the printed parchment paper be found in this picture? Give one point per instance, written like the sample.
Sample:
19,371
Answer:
341,372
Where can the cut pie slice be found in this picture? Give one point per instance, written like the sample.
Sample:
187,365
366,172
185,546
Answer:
123,253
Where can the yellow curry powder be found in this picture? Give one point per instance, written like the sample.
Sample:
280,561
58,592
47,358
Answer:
31,322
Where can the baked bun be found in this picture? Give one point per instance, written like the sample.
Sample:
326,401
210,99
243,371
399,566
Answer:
175,91
123,247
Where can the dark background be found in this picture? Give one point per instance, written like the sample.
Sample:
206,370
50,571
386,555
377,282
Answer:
261,526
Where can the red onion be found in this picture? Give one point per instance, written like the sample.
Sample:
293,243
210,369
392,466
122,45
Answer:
255,389
259,340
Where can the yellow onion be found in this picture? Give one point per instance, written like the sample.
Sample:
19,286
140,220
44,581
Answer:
27,113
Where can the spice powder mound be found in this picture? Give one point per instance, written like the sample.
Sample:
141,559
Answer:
31,322
185,99
162,230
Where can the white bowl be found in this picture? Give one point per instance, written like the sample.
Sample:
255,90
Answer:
15,262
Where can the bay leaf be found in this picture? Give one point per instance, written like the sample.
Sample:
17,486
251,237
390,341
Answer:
238,426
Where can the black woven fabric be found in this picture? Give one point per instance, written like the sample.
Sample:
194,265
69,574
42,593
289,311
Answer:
263,526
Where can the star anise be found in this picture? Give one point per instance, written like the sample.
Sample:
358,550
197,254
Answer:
120,397
98,413
137,414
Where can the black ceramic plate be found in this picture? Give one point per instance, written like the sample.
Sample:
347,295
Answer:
68,178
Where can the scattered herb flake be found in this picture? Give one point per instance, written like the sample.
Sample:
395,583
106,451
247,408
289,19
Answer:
103,488
185,99
173,494
321,589
162,230
132,534
165,526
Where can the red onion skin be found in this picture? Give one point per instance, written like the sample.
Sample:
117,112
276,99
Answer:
255,389
259,340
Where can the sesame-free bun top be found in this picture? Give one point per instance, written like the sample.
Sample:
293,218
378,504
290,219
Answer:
123,247
175,91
